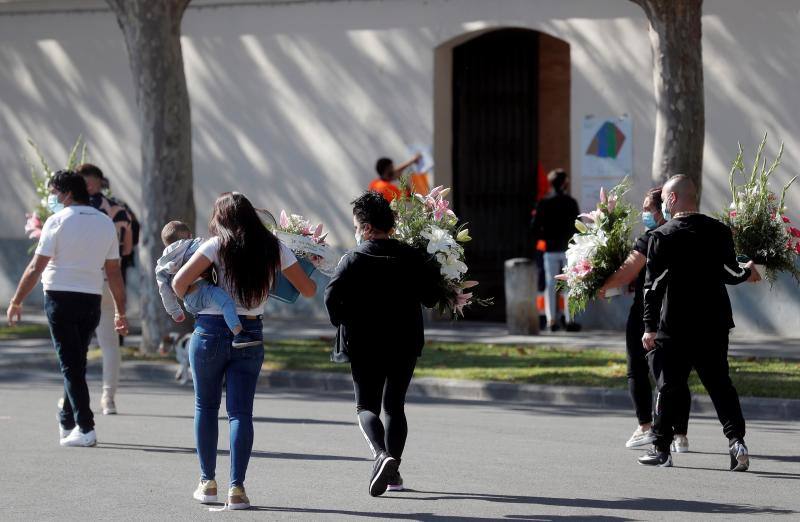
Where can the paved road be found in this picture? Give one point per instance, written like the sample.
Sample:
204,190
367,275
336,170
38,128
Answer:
465,461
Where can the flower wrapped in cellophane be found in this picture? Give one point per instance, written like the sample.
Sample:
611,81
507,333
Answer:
307,242
598,248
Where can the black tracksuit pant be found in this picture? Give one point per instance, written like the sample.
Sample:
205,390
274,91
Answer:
73,318
382,378
639,386
671,361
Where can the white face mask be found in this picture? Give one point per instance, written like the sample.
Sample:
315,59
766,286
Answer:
359,238
54,204
665,212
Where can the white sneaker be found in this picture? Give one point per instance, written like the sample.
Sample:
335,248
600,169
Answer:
680,444
78,439
206,491
107,405
63,432
640,438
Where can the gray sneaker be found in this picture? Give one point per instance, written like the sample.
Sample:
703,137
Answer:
640,438
740,459
680,444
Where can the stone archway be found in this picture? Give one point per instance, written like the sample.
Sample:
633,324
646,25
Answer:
501,110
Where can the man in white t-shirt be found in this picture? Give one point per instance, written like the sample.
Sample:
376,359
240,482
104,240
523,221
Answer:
77,244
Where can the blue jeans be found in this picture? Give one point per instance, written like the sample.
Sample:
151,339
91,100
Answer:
212,358
554,263
73,318
207,294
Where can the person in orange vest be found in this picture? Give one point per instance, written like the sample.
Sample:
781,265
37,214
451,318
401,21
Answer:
387,173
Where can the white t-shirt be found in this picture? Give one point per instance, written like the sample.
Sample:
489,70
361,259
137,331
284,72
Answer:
210,249
78,240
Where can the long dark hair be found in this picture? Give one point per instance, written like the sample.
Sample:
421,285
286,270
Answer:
249,252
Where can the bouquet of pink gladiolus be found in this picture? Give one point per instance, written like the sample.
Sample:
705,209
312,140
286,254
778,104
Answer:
598,248
427,222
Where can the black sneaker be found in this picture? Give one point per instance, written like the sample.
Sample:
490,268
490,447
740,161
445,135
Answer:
384,469
740,459
244,340
395,482
656,457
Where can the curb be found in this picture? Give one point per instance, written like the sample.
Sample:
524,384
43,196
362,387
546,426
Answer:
453,389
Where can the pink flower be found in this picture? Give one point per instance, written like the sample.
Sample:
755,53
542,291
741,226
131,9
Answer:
562,277
436,191
603,195
440,209
612,202
732,213
786,219
462,300
593,216
582,268
795,232
284,221
33,226
797,248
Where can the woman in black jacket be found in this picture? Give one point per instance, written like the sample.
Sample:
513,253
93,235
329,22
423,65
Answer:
375,299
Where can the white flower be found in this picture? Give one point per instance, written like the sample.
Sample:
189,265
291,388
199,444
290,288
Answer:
451,266
439,240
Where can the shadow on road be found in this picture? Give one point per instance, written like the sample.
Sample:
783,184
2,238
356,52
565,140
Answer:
426,517
628,504
270,420
150,448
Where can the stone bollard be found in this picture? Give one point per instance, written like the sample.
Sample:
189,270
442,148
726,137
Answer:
520,282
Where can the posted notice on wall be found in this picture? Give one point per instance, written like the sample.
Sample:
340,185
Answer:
606,145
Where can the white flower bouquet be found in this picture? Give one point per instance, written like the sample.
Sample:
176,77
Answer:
426,222
598,249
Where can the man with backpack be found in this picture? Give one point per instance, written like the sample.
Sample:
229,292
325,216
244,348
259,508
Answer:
107,337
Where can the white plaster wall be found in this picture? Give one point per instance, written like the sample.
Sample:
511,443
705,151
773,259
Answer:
292,104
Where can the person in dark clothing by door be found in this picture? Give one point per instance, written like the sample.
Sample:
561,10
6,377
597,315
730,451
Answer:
383,329
688,317
555,224
632,272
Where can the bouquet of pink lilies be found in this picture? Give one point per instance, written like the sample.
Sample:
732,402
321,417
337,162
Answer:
427,222
598,248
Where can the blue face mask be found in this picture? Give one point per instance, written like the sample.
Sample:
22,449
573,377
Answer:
664,212
53,204
649,221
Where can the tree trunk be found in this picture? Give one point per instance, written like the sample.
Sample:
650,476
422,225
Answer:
152,36
675,39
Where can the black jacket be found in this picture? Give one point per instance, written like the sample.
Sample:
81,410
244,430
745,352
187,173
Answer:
555,220
689,261
376,297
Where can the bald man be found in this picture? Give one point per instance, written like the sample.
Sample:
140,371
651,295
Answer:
687,317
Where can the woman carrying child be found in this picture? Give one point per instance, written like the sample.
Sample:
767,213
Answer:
247,257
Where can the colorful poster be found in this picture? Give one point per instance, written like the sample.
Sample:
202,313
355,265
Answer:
606,145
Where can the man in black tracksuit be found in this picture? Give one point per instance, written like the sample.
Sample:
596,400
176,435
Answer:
375,298
687,317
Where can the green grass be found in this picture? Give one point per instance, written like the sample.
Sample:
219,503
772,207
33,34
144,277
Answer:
540,365
21,331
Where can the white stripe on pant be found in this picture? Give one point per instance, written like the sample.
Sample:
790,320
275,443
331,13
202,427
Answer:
108,339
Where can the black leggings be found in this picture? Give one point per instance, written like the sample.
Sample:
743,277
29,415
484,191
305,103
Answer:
384,380
639,385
